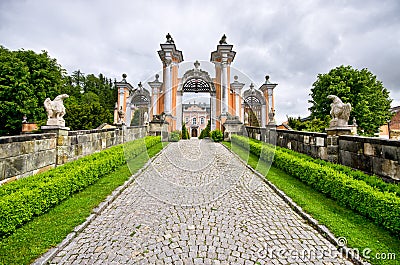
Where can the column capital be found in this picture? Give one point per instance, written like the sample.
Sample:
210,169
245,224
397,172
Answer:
155,85
236,85
224,53
169,53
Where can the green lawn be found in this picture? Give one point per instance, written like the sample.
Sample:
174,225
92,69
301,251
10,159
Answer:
360,232
46,231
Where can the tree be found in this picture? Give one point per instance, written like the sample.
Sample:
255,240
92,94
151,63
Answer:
91,101
310,125
185,132
85,112
206,132
368,97
26,80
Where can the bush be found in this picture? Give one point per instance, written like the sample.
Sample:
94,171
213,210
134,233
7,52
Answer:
206,132
382,207
217,136
21,200
174,136
185,133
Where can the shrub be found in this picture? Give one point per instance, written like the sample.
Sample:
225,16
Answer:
21,200
206,132
174,136
382,207
185,133
217,136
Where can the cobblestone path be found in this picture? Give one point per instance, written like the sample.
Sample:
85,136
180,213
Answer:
198,204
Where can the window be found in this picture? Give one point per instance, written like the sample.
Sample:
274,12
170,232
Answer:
194,121
187,119
201,120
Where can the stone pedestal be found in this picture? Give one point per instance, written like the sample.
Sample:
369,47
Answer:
232,127
56,122
157,128
60,130
333,141
62,141
270,134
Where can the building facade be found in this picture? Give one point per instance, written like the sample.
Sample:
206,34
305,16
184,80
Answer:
196,117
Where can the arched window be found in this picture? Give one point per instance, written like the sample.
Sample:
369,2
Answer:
194,120
202,120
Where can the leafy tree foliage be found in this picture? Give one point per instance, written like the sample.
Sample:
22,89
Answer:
311,125
26,79
91,101
368,97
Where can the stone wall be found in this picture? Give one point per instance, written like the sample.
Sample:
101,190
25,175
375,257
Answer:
372,155
312,144
26,155
378,156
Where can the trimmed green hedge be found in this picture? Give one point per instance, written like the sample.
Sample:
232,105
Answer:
382,207
21,200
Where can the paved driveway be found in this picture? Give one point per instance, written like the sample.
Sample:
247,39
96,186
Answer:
198,204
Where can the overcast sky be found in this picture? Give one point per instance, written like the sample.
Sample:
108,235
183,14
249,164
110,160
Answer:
292,41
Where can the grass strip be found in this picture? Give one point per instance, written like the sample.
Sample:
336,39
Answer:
360,232
46,231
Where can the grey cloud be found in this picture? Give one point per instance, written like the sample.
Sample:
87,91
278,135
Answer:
292,41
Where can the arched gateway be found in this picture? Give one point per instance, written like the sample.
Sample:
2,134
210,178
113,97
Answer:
228,101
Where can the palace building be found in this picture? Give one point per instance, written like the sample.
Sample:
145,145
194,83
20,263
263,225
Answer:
228,98
196,117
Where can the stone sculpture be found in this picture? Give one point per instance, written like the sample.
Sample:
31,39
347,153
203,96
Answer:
159,117
223,40
169,38
121,116
340,112
55,110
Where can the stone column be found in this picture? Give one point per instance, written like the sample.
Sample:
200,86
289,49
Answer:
128,114
224,85
156,87
263,116
237,87
213,115
168,89
179,110
333,142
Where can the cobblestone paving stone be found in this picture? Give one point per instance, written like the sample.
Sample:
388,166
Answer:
198,204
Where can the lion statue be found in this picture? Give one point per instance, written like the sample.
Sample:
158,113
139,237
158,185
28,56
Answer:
340,112
55,110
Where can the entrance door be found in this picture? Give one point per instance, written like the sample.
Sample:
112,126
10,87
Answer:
194,132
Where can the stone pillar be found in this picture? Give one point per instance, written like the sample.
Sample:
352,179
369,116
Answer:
169,56
333,142
213,116
225,88
268,90
167,89
128,114
263,116
156,87
222,58
179,110
237,88
63,144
